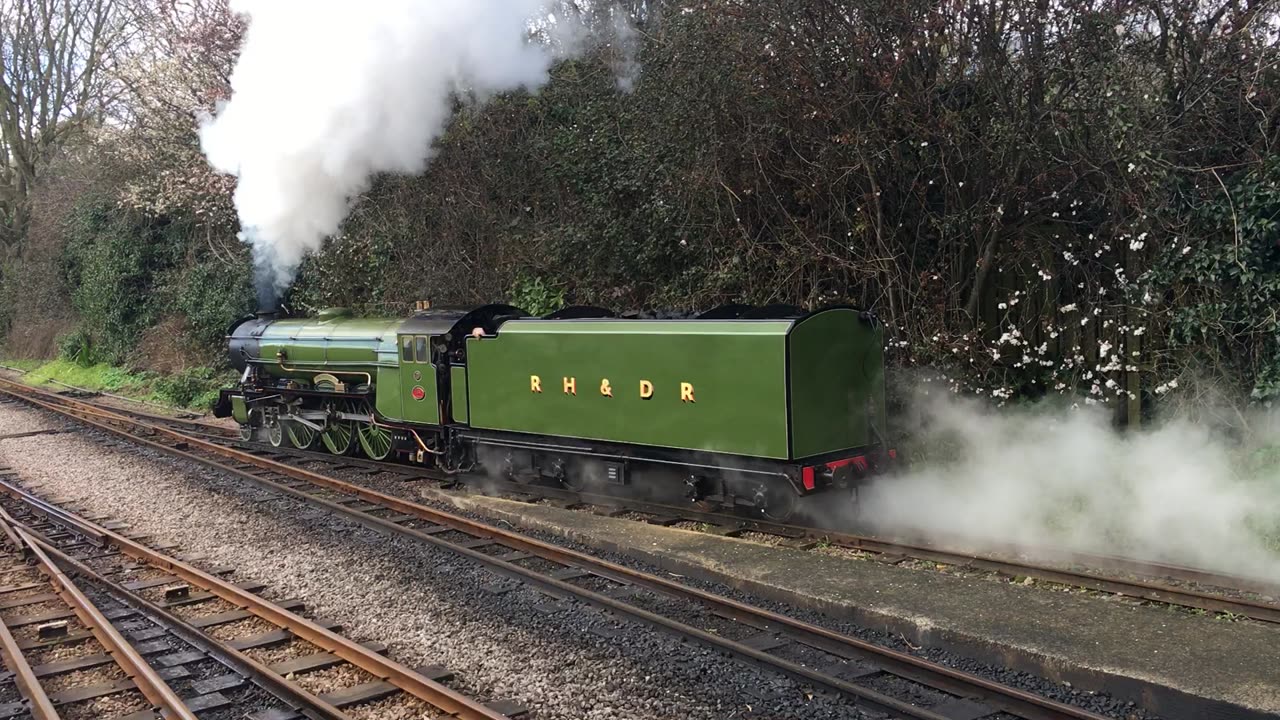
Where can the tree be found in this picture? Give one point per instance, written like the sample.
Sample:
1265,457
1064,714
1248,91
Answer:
180,69
56,58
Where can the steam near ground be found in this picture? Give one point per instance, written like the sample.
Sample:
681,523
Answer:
329,93
1065,479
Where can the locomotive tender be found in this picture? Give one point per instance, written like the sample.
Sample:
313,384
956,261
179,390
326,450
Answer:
739,407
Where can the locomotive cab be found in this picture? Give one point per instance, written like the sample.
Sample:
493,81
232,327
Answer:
433,360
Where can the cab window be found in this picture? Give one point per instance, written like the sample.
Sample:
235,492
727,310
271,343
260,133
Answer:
406,350
420,349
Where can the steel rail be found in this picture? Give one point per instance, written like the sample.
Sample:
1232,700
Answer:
1140,589
28,686
144,677
302,701
384,668
197,425
999,560
564,589
1018,702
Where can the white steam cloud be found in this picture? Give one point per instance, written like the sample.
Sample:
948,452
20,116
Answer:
329,93
1068,481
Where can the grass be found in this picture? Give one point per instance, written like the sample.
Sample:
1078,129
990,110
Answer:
103,378
193,389
24,365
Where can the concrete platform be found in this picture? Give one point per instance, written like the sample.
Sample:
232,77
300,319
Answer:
1180,666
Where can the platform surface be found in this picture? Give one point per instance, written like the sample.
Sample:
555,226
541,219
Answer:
1171,662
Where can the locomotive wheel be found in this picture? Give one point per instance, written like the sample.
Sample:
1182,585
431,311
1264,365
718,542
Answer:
302,436
339,436
375,441
275,431
249,429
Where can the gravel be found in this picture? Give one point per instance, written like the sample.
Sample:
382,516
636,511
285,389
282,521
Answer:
1062,692
552,683
109,706
426,604
101,675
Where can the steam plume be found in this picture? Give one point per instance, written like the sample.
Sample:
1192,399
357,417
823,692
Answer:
1067,481
328,93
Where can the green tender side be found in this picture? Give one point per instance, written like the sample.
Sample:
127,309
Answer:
458,392
737,369
837,382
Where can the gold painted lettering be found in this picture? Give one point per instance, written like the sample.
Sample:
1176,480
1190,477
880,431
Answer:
570,386
686,392
605,390
535,384
646,389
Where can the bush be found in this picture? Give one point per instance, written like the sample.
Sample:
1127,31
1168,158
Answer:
193,388
116,262
77,347
212,295
535,296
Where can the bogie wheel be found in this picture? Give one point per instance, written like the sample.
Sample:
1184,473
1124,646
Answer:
301,436
339,436
275,430
249,429
375,440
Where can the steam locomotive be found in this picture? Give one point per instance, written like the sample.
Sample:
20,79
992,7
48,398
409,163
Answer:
746,408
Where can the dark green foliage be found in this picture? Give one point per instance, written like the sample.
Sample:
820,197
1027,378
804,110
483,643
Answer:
115,263
212,295
1222,278
77,347
195,388
967,170
964,182
535,296
127,272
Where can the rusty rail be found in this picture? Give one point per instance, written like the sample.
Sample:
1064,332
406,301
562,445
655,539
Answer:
1141,589
384,668
962,684
308,704
28,686
144,677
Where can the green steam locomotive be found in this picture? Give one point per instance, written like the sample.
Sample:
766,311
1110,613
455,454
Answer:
739,407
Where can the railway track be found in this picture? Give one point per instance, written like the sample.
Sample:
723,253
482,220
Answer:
215,645
872,676
1079,570
45,615
1192,588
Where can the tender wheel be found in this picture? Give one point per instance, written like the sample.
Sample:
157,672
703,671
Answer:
571,476
339,436
375,440
301,436
777,502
